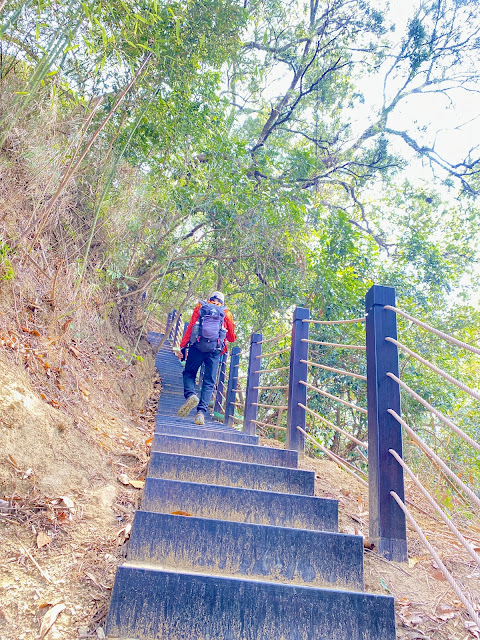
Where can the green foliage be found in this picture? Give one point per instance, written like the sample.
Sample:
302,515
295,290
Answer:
6,268
127,357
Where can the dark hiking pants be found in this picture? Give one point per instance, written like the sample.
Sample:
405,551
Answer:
195,359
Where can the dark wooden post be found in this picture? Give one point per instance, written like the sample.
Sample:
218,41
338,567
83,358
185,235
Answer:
232,385
387,521
177,329
169,323
253,380
298,371
218,406
172,320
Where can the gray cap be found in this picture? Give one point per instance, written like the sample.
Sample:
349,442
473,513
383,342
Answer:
219,295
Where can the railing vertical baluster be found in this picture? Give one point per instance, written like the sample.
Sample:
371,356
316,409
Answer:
177,330
217,407
253,380
172,320
387,521
232,384
298,371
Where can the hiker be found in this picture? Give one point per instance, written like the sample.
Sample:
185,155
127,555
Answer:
211,325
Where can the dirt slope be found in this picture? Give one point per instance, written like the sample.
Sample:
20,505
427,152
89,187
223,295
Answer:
67,503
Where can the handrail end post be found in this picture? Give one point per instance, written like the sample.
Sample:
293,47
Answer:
387,523
253,382
232,383
218,404
297,392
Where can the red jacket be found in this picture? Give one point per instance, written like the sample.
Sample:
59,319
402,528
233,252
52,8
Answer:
228,324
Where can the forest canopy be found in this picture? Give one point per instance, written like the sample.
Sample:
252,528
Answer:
287,152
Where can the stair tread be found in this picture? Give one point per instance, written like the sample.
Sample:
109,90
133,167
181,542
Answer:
264,552
281,457
201,606
240,505
152,566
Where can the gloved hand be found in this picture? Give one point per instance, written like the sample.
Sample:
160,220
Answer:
184,354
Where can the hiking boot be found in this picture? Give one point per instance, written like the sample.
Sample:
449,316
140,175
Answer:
189,404
200,419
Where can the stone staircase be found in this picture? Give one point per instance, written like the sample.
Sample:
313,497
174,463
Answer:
231,544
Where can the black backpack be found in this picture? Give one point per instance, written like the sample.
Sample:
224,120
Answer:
211,334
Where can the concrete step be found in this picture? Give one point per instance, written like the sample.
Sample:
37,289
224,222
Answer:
153,604
202,432
225,450
240,505
238,549
175,421
173,466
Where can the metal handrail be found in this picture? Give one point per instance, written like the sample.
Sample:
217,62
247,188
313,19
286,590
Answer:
332,457
362,319
458,383
448,576
350,465
266,424
340,371
334,344
278,337
273,353
334,426
446,520
436,459
278,386
332,397
435,412
273,370
440,334
270,406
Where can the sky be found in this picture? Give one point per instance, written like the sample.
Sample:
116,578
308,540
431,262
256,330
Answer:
453,127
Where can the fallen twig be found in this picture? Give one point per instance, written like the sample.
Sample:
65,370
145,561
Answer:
43,573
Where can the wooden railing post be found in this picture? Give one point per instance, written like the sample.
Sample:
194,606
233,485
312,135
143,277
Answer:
169,323
297,393
172,320
177,330
218,405
387,521
232,385
253,381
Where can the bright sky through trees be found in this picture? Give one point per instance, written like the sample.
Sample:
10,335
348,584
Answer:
453,124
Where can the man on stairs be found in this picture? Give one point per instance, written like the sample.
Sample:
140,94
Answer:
211,325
